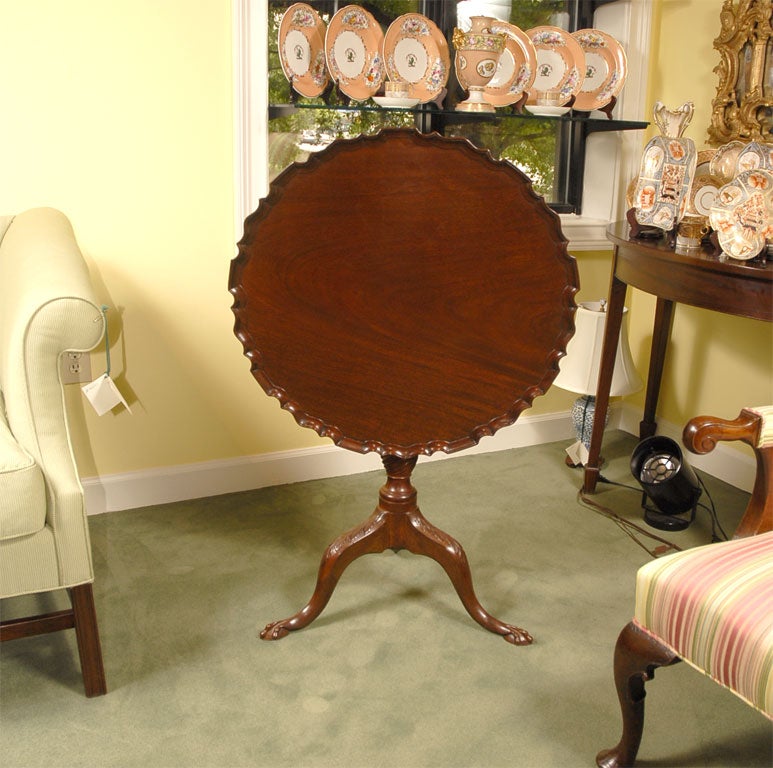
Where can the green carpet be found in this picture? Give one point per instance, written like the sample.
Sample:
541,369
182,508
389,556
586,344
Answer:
394,672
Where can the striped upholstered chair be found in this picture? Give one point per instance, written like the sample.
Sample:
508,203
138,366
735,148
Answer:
712,607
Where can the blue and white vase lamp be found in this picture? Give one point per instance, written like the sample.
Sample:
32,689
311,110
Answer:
579,372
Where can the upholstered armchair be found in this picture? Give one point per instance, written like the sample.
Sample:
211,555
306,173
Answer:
47,306
710,606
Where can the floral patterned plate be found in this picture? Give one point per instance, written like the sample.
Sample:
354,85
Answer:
742,215
353,49
416,52
606,68
560,63
302,50
516,69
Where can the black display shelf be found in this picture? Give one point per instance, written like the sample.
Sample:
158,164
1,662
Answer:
572,128
575,128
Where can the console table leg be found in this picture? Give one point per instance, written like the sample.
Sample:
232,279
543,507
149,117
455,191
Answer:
615,309
664,317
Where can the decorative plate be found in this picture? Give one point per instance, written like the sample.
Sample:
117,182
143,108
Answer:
703,194
665,177
302,49
416,52
395,102
755,155
703,164
516,69
722,165
743,214
546,111
353,49
606,68
560,63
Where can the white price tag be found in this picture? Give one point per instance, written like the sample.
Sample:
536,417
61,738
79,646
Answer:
578,453
103,395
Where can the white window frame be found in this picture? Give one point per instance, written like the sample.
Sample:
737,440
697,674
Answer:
612,159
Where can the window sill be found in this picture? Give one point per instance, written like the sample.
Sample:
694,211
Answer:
585,234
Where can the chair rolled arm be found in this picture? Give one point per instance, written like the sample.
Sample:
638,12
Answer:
47,306
702,433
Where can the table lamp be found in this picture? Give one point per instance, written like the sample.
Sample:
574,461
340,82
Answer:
579,372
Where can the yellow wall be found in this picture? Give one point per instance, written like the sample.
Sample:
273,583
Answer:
120,114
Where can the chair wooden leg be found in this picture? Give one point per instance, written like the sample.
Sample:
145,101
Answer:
637,655
87,634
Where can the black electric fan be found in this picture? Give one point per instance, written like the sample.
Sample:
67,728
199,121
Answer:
668,481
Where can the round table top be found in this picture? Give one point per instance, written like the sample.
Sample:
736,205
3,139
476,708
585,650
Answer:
403,293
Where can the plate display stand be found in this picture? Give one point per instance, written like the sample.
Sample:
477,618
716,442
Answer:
607,108
643,232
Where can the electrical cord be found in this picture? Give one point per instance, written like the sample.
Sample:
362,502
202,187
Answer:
603,479
634,531
627,526
712,514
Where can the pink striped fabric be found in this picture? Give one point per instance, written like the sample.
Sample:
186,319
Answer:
713,606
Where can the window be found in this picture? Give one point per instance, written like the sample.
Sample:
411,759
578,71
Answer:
549,151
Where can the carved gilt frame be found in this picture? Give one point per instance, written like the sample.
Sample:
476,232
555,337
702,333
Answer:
743,107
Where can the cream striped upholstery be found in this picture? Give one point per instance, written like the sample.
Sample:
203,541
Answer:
713,606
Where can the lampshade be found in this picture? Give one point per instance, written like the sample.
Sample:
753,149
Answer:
579,370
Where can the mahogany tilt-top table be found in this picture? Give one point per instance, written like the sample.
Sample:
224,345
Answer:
404,294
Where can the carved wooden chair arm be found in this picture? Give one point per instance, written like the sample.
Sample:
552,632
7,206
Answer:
754,426
702,433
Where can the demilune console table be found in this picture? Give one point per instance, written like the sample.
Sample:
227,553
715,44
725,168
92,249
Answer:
701,279
403,294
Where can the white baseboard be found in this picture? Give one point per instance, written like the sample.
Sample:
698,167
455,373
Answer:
724,463
130,490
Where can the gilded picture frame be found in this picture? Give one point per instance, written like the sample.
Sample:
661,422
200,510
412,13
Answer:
743,107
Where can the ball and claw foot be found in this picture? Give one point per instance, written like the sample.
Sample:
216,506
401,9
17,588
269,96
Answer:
276,630
518,636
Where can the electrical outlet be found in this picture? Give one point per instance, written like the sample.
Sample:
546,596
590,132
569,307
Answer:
76,368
